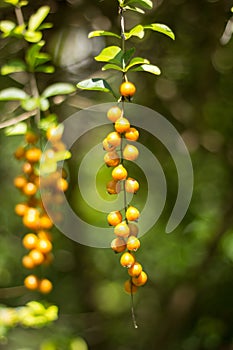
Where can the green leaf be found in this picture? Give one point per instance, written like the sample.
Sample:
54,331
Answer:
46,25
161,28
62,155
32,37
111,54
58,89
95,84
42,58
37,18
112,66
30,103
45,69
147,4
135,9
32,53
12,2
44,104
7,26
16,129
128,54
13,67
23,3
150,68
136,61
13,94
135,31
47,167
96,33
45,123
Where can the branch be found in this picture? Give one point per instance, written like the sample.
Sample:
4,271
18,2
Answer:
17,119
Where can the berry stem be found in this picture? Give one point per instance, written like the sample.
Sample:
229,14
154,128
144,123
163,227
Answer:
132,309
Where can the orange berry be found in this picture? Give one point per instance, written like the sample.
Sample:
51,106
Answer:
140,280
33,155
54,133
31,219
45,222
127,89
133,243
114,218
131,185
20,181
122,125
36,256
113,187
44,246
62,184
19,153
122,229
127,260
114,139
132,134
129,287
132,213
119,173
30,241
130,152
31,282
107,146
31,137
133,229
114,113
112,158
118,245
27,262
45,286
44,235
27,168
29,189
21,209
135,269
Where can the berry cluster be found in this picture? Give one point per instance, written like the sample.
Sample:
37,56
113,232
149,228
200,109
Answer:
118,150
34,217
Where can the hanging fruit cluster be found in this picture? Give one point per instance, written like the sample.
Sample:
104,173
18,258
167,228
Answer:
119,150
37,242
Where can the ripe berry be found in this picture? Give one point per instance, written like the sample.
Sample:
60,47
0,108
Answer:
44,246
114,139
45,286
140,280
130,152
37,256
129,287
54,133
127,260
114,218
33,155
112,158
131,185
122,125
45,222
62,184
119,173
118,245
133,243
29,189
27,262
31,137
113,187
132,134
44,235
31,219
31,282
27,168
107,146
127,89
19,153
20,181
122,229
30,241
21,209
135,270
114,113
132,213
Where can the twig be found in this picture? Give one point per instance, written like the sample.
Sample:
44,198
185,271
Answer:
17,119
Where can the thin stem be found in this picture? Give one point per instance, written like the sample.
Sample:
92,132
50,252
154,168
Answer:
132,309
19,16
17,119
122,24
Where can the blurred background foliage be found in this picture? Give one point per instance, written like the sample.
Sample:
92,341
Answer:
187,303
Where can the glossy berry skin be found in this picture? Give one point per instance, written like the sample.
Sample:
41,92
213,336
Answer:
45,286
62,184
130,152
29,189
27,262
36,256
107,146
112,159
140,280
131,185
133,243
114,218
127,89
122,125
129,287
44,246
135,269
118,245
132,213
31,282
33,155
113,187
114,139
21,209
54,134
119,173
132,134
114,113
122,229
30,241
20,181
127,260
